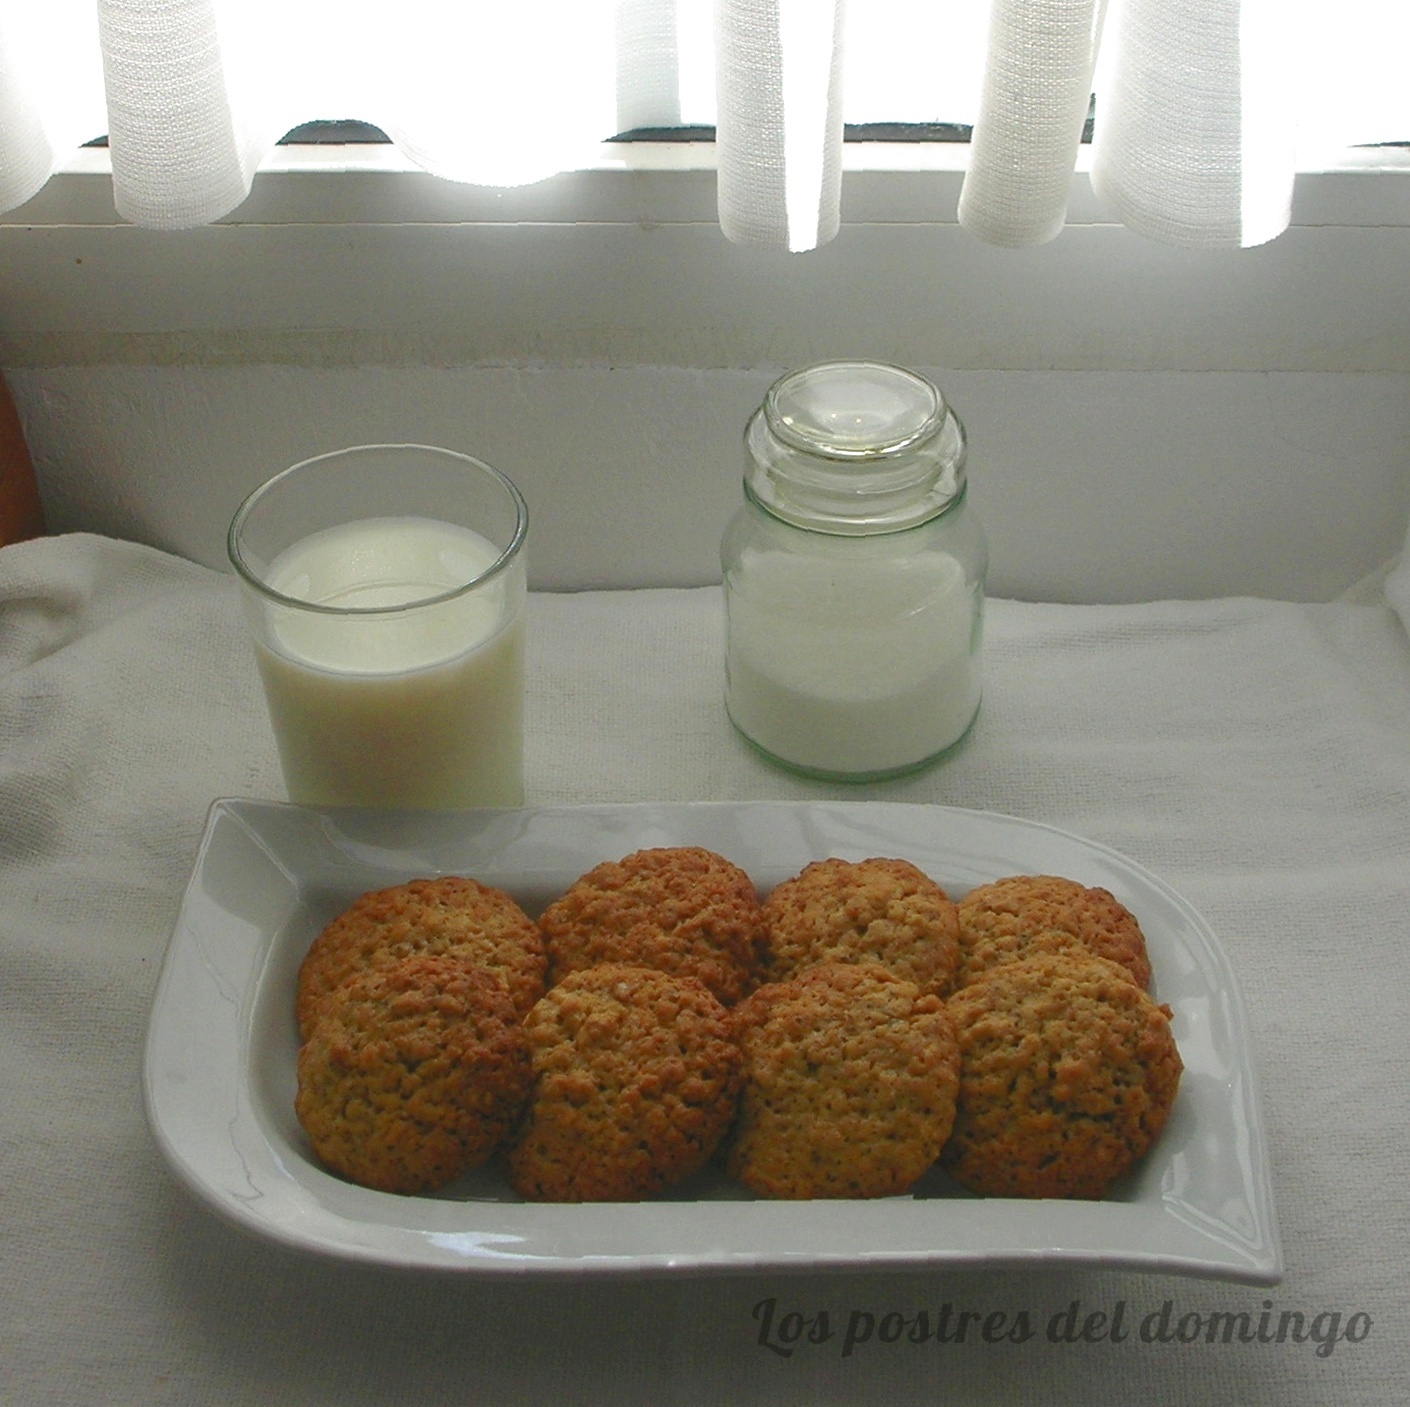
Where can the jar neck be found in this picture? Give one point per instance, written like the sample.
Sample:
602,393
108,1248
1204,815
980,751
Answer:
860,494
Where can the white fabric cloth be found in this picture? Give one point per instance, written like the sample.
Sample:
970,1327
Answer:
1397,584
1203,105
779,125
1255,754
1038,82
1196,142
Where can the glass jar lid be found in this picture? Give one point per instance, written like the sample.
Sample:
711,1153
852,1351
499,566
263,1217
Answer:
854,410
854,447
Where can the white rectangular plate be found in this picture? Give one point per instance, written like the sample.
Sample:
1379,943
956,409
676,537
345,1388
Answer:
219,1077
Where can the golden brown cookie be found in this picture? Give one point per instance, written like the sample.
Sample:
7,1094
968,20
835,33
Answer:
635,1080
850,1074
459,917
1068,1072
877,910
1024,915
413,1074
681,909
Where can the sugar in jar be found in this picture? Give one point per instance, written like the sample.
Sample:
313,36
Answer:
854,575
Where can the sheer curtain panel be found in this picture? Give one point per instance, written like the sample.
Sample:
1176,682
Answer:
1203,107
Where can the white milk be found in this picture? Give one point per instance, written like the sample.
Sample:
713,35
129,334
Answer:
421,708
812,679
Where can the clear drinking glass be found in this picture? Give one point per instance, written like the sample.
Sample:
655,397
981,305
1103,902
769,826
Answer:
385,590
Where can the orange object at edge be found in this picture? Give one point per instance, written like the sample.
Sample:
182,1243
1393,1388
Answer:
21,514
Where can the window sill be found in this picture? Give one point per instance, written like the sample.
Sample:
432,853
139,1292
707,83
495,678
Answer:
665,182
349,256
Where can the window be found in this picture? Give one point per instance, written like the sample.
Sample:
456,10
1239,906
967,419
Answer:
1198,140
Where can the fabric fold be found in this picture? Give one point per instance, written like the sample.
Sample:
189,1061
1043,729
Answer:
1194,140
648,65
1397,586
51,98
26,156
778,131
1036,94
178,159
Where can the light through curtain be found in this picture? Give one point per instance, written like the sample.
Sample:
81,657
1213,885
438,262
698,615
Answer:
1204,107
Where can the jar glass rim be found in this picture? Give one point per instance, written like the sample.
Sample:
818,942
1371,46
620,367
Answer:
854,410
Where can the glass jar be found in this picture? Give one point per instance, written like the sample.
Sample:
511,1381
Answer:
853,576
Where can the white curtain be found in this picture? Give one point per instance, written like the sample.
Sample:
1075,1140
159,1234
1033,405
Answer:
1204,107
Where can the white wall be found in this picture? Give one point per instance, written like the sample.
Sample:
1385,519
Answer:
1092,485
1144,422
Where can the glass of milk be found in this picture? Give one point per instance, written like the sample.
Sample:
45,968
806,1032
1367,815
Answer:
385,590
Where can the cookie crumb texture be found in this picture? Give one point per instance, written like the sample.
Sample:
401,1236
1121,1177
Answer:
413,1074
1026,915
449,915
851,1075
636,1076
679,909
1068,1073
879,910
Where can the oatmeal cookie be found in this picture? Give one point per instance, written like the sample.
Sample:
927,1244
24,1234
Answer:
1024,915
850,1075
452,915
413,1074
680,909
877,910
1068,1071
636,1075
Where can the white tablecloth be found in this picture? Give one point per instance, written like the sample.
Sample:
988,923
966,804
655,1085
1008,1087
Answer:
1255,754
